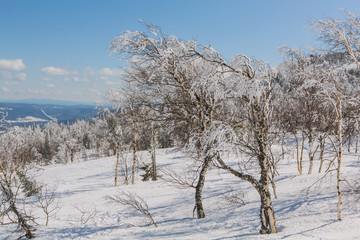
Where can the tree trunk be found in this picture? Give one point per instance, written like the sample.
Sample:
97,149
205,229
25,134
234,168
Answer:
338,172
302,151
199,188
322,149
282,146
126,173
72,155
273,185
297,154
260,128
117,164
11,199
267,215
153,153
134,154
356,145
311,156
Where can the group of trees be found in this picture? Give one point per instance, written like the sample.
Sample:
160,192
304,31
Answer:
22,148
180,93
212,106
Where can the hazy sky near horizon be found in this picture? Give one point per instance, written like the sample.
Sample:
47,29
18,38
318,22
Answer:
57,49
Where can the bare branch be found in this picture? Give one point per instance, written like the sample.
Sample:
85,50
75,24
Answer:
133,201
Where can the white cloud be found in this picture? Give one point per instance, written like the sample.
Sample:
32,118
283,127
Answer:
89,72
96,92
21,76
51,85
110,83
76,79
47,79
12,65
103,73
36,91
4,89
57,71
111,72
59,92
18,76
11,83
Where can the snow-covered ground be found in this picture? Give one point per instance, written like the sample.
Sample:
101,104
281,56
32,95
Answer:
27,119
301,212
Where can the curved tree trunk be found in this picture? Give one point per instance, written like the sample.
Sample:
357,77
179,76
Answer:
199,188
260,128
11,198
267,213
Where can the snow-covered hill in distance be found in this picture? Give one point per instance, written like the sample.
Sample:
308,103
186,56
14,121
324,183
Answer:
45,101
27,112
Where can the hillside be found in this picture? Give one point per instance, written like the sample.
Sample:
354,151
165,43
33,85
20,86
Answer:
26,113
302,212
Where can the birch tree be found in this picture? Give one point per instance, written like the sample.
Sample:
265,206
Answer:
194,88
341,35
246,128
335,77
178,81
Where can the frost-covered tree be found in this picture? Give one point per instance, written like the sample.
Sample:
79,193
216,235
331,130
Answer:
341,35
304,111
245,126
178,83
10,181
336,78
213,103
129,113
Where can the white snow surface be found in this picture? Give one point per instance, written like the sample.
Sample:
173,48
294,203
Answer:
301,212
27,119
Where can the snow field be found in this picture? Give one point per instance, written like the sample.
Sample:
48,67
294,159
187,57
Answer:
301,212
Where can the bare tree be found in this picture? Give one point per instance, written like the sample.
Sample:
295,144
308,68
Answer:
133,201
46,200
183,180
341,35
177,81
338,87
86,215
234,197
10,185
193,87
243,123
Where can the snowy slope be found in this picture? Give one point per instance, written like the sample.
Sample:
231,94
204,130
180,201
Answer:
301,212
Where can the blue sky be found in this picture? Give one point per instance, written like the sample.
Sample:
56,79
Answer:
57,49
